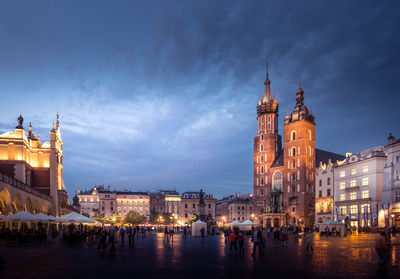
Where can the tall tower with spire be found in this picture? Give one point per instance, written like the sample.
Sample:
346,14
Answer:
267,143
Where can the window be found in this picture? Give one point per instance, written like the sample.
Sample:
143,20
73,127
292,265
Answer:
342,197
262,137
397,159
365,194
293,135
209,205
365,169
328,181
328,192
342,185
262,181
262,169
353,171
194,205
186,215
309,135
258,181
353,195
365,181
186,205
365,208
294,163
261,147
238,207
320,182
343,209
320,194
342,174
294,151
293,209
262,159
353,209
293,189
353,183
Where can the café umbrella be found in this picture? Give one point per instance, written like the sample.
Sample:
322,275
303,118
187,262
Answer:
74,217
22,216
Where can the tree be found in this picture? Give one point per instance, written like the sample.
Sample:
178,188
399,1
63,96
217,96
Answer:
154,218
134,218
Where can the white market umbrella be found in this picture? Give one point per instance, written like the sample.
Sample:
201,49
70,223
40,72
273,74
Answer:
74,217
40,217
22,216
248,223
235,223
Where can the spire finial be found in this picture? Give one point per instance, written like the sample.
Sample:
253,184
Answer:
57,123
299,83
267,83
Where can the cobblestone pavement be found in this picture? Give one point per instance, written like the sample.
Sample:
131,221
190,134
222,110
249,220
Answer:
350,257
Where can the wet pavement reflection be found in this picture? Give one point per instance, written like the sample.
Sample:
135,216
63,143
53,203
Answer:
349,257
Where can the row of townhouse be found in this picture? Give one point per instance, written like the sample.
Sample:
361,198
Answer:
362,190
100,200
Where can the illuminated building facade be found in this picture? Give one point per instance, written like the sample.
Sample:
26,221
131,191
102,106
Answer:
358,187
190,205
172,201
288,172
35,168
133,201
391,184
89,202
324,193
222,210
240,209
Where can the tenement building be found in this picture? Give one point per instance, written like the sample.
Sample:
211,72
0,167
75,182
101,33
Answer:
190,205
391,183
290,169
31,172
324,193
358,183
133,201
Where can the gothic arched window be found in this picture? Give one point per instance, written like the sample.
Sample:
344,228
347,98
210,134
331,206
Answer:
293,135
294,151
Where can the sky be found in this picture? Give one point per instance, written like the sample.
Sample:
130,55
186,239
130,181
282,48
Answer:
163,94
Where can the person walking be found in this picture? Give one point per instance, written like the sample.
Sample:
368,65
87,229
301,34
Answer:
241,243
257,240
184,232
233,238
383,249
171,233
122,235
203,232
309,243
166,234
284,237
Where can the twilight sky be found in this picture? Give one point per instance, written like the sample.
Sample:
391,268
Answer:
163,94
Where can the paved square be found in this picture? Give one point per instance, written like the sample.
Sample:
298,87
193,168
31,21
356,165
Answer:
350,257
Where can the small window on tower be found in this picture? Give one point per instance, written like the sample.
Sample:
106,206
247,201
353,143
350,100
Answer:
261,147
293,135
262,137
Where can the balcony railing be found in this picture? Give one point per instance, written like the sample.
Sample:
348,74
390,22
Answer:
25,187
352,188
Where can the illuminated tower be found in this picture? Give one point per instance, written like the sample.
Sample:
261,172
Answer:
299,160
267,144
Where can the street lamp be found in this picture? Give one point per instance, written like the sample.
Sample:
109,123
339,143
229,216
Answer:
392,215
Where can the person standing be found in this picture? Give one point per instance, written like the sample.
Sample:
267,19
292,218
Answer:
122,235
233,238
383,249
309,243
203,232
241,243
184,232
284,237
257,240
166,234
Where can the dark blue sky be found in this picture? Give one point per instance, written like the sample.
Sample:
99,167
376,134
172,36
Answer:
163,94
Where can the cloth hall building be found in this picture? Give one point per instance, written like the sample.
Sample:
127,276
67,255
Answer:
284,167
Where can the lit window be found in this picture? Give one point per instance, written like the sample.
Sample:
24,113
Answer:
353,209
365,194
353,183
353,171
353,195
365,181
365,208
365,169
342,197
342,174
342,185
343,210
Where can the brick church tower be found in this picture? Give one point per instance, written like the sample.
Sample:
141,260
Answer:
267,143
299,160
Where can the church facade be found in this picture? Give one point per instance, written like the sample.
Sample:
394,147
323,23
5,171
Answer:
284,167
